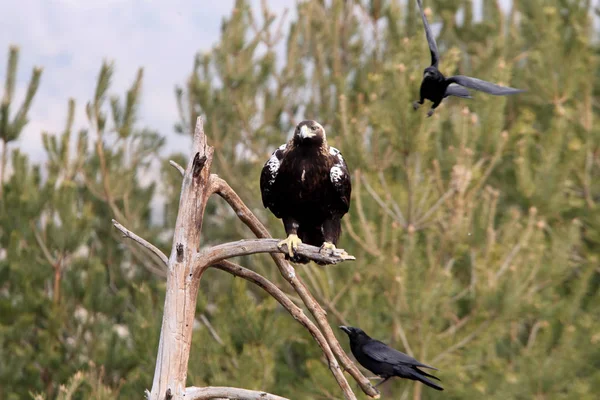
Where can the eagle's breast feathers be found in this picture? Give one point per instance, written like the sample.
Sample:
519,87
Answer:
317,176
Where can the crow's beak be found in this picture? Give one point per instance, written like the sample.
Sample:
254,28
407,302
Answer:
306,133
345,329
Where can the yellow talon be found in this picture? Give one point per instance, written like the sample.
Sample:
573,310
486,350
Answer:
327,246
292,243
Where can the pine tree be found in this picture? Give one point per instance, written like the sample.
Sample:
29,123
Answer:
476,231
72,296
11,126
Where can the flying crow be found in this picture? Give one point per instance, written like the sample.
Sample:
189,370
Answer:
306,184
384,361
435,86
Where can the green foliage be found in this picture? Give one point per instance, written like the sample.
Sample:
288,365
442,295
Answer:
476,231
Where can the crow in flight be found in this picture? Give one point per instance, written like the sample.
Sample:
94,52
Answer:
306,183
384,361
435,86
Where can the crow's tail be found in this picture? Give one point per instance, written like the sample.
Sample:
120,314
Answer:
421,376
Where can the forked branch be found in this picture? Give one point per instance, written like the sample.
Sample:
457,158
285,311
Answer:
184,271
296,312
287,271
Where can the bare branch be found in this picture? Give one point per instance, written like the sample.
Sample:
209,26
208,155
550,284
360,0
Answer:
219,392
143,242
253,246
177,167
287,271
223,189
295,312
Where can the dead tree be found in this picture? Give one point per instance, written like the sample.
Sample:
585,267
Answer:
184,269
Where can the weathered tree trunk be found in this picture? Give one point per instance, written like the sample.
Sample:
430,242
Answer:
183,278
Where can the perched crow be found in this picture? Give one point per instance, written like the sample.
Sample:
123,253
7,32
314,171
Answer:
384,361
435,86
306,183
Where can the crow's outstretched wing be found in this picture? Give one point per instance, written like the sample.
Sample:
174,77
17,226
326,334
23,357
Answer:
457,91
340,178
435,54
267,180
383,353
484,86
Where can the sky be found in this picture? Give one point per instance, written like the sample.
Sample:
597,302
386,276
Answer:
71,38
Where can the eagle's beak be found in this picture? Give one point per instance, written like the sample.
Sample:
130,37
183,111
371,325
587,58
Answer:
345,329
306,133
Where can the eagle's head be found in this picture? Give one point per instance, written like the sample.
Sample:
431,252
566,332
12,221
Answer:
309,133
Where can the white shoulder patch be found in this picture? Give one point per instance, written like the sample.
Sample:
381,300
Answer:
273,164
336,174
335,152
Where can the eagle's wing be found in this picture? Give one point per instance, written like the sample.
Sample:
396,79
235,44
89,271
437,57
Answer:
433,49
340,178
484,86
381,352
267,179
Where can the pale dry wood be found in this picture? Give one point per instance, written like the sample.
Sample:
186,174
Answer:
216,392
181,291
177,167
220,252
287,271
296,312
141,241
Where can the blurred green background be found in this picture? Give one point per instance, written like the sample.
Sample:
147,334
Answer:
476,231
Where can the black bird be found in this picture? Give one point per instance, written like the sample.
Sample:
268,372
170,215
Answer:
435,86
306,183
384,361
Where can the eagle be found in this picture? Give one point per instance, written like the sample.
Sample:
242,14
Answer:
306,184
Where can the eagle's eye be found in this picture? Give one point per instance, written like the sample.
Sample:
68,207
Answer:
313,128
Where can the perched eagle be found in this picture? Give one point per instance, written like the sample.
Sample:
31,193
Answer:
306,183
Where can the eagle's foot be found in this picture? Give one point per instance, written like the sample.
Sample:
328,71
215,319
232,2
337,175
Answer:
430,112
327,246
416,105
292,243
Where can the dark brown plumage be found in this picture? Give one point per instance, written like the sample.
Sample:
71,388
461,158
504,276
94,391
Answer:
306,184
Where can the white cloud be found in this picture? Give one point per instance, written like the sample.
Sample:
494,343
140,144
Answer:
71,38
